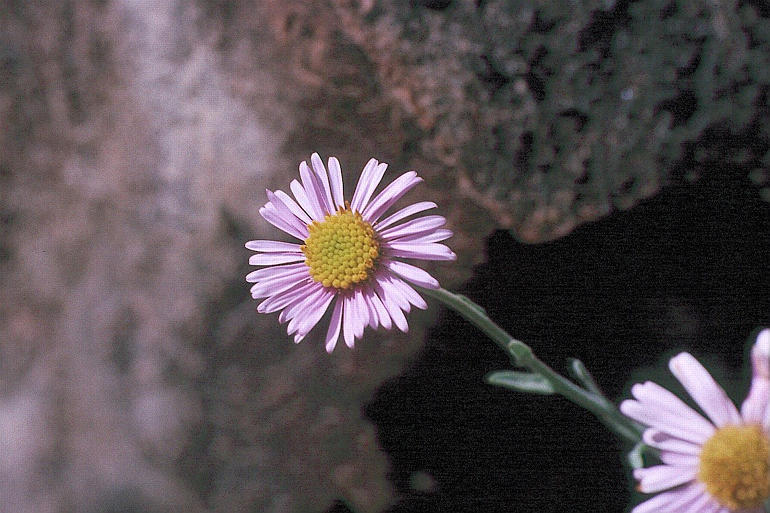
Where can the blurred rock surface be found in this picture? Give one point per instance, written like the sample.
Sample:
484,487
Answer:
135,372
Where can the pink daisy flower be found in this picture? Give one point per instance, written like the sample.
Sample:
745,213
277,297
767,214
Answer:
349,254
715,465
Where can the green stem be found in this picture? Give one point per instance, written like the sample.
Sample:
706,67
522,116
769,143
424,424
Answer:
523,356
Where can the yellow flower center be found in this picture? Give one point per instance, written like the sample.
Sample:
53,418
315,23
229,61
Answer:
735,466
341,250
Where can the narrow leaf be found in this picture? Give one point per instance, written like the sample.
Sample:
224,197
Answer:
580,373
634,456
521,381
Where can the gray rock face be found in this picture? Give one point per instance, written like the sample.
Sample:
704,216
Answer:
552,114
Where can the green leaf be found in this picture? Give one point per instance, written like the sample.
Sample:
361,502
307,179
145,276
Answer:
580,373
521,381
634,456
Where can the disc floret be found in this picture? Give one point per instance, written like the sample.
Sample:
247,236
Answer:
342,250
735,466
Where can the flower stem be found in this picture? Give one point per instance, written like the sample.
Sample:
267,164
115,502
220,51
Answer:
523,356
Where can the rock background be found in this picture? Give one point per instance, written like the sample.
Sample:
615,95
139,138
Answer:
137,137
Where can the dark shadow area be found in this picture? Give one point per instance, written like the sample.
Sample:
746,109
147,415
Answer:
686,270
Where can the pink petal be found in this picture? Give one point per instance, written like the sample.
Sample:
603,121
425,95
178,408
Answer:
694,494
286,214
374,181
661,477
396,315
313,191
291,309
388,286
756,407
294,207
701,386
417,226
275,258
274,271
654,396
382,313
412,273
297,306
271,215
275,303
392,193
323,178
670,499
760,355
434,236
702,504
679,460
656,503
272,246
277,285
335,179
361,314
335,324
279,271
347,321
410,294
301,305
404,213
430,251
660,419
308,318
374,319
302,199
665,442
300,310
363,181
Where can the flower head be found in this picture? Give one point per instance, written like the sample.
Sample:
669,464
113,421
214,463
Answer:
348,255
718,465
